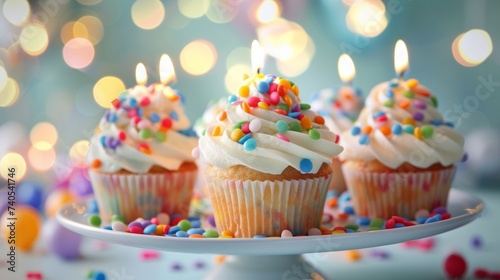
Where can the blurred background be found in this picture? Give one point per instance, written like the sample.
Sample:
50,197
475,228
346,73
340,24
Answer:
63,61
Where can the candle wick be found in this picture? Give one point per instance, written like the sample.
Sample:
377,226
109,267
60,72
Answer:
258,70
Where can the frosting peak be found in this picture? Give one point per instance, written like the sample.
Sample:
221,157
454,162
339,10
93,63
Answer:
267,128
400,123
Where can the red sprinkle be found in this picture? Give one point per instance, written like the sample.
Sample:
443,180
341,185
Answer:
398,219
274,97
122,136
136,229
339,228
445,216
495,275
455,266
166,229
136,120
381,119
166,122
245,128
145,101
155,221
34,275
390,224
116,103
337,138
253,101
272,87
175,221
281,112
481,273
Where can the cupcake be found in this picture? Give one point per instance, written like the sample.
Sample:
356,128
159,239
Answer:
268,160
339,107
140,155
400,154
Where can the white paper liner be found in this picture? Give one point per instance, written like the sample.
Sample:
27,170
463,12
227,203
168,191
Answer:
382,195
249,208
142,195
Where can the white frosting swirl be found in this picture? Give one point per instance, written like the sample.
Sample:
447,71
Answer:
147,127
214,108
272,154
415,131
339,106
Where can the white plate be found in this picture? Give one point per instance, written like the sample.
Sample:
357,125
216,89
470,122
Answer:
464,208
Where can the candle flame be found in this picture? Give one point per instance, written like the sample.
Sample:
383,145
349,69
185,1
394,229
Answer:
257,56
400,57
167,72
141,76
347,71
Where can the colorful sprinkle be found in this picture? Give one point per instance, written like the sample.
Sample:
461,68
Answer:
455,266
94,220
418,116
305,106
404,104
283,137
232,98
367,129
237,134
364,139
245,107
306,165
283,106
319,120
306,123
263,87
132,102
295,126
409,121
281,126
145,133
408,94
389,103
434,101
385,130
222,116
408,128
217,131
160,136
427,131
255,125
389,93
420,104
418,133
412,83
253,101
274,97
314,134
397,129
250,145
96,163
244,91
174,116
355,130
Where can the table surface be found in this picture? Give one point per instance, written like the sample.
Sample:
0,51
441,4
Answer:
124,263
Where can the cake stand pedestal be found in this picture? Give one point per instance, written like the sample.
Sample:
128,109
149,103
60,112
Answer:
274,258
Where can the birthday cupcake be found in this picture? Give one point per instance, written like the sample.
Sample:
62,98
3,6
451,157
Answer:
140,155
339,107
268,160
400,155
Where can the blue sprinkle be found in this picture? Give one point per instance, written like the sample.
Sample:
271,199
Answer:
98,275
108,228
132,102
344,197
195,224
173,115
355,130
379,114
389,93
394,83
421,220
150,229
263,87
432,219
259,236
193,218
181,95
399,225
188,132
269,79
250,145
154,118
244,138
364,139
140,112
293,114
92,207
397,129
181,233
102,140
349,210
174,229
358,91
450,124
195,231
436,122
348,230
232,98
112,118
306,165
408,128
363,221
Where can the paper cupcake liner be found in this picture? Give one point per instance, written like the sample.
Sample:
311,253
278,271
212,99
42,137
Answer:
249,208
382,195
143,195
337,184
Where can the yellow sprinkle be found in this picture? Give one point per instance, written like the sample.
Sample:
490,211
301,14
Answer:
287,100
353,255
263,105
245,107
418,133
159,230
244,91
216,131
228,233
220,259
236,135
295,90
225,236
261,75
409,121
335,232
245,76
412,83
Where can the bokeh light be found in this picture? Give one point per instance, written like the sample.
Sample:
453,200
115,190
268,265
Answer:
34,39
3,78
10,93
41,160
16,11
43,136
282,39
240,55
78,53
193,8
299,63
78,151
94,28
107,89
198,57
234,77
367,18
222,11
67,32
80,30
147,14
13,160
268,11
472,47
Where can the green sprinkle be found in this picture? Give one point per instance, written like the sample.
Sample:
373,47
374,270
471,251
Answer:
184,225
408,94
427,131
95,220
211,234
239,124
161,136
305,106
295,126
283,107
434,101
145,133
314,134
377,223
203,132
291,83
281,126
373,229
389,103
352,227
408,128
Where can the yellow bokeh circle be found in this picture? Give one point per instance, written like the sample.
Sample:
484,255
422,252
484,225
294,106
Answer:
198,57
107,89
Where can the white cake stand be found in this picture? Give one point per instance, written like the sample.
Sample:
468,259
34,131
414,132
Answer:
274,258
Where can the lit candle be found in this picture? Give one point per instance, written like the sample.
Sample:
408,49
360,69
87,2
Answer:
347,71
400,58
258,56
167,72
141,76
